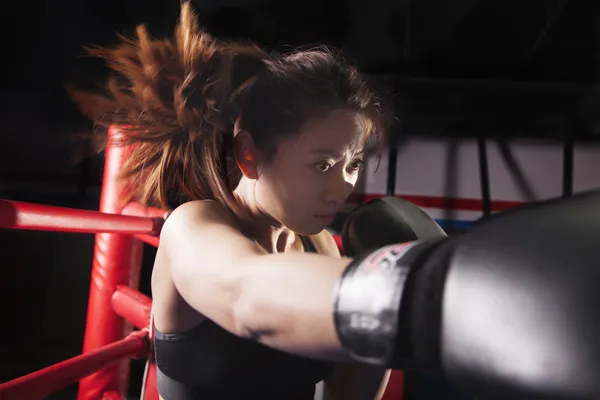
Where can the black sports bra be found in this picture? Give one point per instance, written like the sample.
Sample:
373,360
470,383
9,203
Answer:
207,362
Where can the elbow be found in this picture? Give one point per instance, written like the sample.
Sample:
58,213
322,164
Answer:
250,319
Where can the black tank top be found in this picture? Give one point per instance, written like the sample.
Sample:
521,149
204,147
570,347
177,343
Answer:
209,363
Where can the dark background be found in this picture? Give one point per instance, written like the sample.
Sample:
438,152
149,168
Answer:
464,68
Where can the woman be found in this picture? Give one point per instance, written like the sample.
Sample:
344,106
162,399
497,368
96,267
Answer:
262,151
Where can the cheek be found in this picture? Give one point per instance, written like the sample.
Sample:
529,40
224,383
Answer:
298,188
279,186
290,193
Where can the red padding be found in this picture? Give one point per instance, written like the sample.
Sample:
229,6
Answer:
132,305
112,395
150,388
30,216
138,210
338,241
395,387
44,382
151,240
117,261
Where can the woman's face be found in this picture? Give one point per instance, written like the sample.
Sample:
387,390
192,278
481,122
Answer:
311,175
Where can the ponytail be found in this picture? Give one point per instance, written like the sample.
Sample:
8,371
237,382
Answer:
173,102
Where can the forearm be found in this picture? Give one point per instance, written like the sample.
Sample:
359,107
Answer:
286,302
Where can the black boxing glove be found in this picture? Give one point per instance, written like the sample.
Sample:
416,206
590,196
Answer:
507,310
384,221
520,312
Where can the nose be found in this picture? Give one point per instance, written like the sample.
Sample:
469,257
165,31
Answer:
339,187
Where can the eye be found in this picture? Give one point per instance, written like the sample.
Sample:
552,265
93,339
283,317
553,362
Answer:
355,165
323,166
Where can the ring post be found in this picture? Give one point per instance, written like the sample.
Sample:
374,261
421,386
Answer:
117,261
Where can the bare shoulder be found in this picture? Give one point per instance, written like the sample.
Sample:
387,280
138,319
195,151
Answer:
325,243
194,215
199,211
204,227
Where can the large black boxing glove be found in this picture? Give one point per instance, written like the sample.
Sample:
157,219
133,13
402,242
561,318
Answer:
507,310
520,312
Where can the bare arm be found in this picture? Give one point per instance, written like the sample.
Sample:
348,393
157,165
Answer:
282,300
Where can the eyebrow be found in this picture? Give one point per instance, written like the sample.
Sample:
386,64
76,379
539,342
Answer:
333,153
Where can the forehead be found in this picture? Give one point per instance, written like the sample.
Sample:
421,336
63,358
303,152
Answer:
340,131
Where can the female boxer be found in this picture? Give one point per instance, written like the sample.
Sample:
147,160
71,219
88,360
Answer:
262,150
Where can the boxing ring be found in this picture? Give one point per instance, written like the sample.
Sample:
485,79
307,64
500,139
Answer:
118,315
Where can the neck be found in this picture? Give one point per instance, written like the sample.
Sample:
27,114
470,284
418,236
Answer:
258,224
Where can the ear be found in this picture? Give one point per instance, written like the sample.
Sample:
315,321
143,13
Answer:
246,154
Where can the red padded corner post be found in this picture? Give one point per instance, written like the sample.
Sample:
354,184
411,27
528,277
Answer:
117,261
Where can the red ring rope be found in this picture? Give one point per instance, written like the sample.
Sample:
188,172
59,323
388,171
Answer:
133,306
29,216
46,381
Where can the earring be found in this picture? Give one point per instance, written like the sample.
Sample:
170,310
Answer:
248,156
248,167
